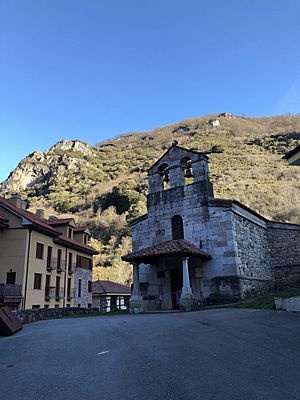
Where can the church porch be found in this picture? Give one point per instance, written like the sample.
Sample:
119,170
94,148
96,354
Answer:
167,276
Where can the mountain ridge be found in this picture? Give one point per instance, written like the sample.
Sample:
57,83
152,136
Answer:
104,186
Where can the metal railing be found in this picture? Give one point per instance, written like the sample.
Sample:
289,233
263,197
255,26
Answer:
53,293
10,290
53,264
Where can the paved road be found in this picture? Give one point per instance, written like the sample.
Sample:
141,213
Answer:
216,354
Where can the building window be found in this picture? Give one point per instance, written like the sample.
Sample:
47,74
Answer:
84,239
89,305
56,306
39,251
79,287
46,305
35,307
59,253
79,305
90,284
49,257
84,262
47,287
57,288
70,233
68,305
10,278
69,288
177,227
70,269
37,284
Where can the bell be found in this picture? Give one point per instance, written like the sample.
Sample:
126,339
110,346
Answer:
188,173
166,177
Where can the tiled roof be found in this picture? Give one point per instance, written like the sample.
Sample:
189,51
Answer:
178,247
291,152
3,222
80,229
46,225
73,243
60,221
105,287
33,218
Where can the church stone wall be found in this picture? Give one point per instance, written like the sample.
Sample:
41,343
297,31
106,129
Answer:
284,243
254,261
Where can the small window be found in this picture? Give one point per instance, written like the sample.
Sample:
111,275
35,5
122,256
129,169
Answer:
79,287
70,233
84,239
56,306
37,284
35,307
89,305
59,253
57,288
68,305
39,251
49,257
79,305
46,305
90,286
69,288
10,278
177,227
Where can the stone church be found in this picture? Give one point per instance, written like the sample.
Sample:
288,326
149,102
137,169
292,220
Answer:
190,245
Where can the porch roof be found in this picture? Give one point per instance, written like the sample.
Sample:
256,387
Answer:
179,247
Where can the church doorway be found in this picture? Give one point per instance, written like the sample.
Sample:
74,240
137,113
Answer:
176,286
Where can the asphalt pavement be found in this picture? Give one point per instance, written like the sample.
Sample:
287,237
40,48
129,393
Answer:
217,354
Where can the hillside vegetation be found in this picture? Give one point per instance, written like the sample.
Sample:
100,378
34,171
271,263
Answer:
105,185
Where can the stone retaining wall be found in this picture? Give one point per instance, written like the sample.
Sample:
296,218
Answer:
28,316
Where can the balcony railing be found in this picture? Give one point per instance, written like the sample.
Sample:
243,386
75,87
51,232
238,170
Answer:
54,264
10,294
10,290
53,293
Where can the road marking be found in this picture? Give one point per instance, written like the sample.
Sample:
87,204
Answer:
103,352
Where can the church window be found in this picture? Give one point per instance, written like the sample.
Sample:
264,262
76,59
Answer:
177,227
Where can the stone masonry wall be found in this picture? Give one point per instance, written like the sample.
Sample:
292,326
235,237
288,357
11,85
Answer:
28,316
284,243
86,298
254,262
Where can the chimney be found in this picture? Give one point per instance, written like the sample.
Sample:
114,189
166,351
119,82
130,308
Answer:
24,204
40,213
16,200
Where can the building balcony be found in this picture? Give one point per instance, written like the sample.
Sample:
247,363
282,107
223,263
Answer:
10,294
55,264
54,293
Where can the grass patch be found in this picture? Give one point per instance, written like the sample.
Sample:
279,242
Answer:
267,301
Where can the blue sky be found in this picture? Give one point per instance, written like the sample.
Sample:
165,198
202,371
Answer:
89,70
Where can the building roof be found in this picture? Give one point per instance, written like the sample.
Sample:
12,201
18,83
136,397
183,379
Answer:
109,287
29,216
76,245
81,229
179,247
4,223
293,156
45,226
175,144
61,221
